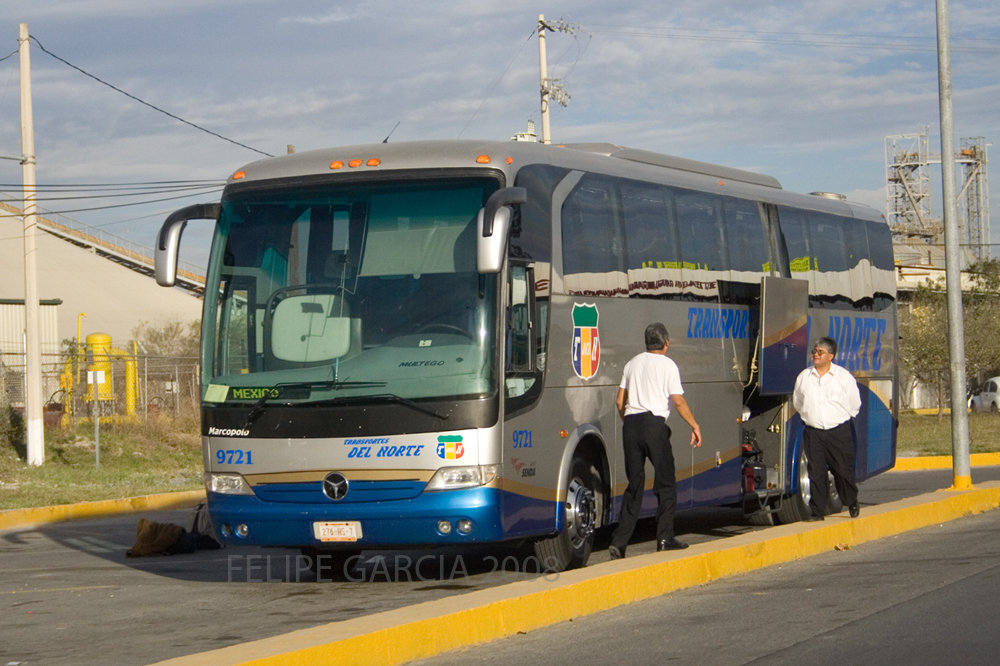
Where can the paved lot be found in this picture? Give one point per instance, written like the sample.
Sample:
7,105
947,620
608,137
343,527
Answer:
69,595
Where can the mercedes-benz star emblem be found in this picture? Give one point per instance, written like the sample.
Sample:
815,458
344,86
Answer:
335,485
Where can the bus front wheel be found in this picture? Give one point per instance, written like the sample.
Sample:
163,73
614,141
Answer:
571,548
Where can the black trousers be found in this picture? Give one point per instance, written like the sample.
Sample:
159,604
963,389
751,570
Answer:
831,450
647,436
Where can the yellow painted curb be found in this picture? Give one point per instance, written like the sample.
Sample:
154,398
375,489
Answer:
50,514
917,463
427,629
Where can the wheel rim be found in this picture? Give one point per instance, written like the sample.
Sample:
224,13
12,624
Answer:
805,490
581,510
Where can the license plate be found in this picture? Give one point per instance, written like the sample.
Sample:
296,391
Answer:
346,531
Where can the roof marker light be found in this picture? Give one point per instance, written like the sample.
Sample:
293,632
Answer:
483,159
239,175
337,164
509,160
355,163
374,162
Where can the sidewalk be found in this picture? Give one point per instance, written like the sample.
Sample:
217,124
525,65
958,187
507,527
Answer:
431,628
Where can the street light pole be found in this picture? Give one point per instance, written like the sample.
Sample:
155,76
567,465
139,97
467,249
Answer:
961,474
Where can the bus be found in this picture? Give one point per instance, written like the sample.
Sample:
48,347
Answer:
418,345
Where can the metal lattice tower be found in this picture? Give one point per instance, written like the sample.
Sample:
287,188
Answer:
908,192
908,187
974,198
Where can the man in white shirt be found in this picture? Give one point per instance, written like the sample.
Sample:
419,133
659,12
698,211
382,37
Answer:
651,382
826,396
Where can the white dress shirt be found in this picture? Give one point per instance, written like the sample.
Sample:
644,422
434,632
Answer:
650,380
826,401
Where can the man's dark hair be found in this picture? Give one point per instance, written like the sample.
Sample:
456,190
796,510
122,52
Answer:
829,343
656,336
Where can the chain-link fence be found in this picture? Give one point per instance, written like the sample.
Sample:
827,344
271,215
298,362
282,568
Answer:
136,387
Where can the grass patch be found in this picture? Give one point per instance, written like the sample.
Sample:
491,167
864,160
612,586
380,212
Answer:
164,455
921,435
136,459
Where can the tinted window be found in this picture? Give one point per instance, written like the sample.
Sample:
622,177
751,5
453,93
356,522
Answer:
700,223
880,246
650,227
592,241
745,236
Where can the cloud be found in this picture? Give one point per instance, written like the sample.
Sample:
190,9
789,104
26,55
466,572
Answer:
803,91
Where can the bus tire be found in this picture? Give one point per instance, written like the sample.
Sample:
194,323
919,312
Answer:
834,503
795,507
762,517
571,548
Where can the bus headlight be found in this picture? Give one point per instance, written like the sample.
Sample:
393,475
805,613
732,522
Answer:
452,478
227,484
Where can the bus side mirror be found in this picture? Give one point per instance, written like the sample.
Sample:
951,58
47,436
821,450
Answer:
168,241
494,226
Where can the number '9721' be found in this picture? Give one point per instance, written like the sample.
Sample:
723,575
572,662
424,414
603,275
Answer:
233,457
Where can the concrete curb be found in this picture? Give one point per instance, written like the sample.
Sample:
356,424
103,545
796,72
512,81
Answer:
50,514
430,628
917,463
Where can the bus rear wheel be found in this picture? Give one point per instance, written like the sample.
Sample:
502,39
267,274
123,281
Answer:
571,548
795,507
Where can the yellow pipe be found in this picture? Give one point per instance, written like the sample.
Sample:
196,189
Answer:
101,351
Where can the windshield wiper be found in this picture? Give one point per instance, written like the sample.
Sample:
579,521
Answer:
295,387
412,405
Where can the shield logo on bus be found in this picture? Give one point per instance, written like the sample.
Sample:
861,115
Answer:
586,344
450,447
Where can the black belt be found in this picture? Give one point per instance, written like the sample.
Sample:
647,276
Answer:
839,425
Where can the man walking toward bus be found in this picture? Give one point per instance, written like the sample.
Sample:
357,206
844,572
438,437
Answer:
651,383
826,397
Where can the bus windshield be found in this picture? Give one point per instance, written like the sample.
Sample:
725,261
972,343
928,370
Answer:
345,291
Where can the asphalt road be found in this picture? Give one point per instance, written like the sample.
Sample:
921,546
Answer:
68,594
923,597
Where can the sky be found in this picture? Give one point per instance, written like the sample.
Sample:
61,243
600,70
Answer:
803,91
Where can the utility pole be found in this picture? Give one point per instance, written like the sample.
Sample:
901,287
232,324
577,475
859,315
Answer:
550,88
543,75
34,418
961,475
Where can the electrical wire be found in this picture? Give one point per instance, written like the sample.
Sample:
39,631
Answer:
122,205
112,194
496,83
145,103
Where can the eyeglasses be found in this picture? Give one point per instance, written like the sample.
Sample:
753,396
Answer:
819,352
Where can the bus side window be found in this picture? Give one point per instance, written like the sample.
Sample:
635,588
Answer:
519,336
745,236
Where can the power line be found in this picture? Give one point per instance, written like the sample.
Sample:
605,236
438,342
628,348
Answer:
496,83
78,193
204,190
145,103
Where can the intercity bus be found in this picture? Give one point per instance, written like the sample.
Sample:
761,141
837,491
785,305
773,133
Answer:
418,345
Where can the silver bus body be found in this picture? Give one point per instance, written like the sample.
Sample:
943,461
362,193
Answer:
419,344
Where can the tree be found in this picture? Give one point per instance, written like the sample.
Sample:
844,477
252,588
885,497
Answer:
172,338
923,329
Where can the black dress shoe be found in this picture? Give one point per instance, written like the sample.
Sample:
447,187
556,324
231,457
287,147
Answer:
854,509
813,517
616,553
670,544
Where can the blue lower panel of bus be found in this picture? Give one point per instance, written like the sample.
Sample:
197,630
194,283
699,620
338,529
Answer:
401,522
